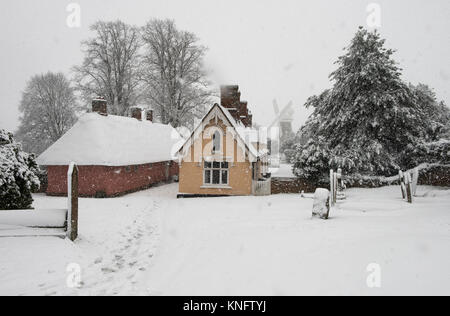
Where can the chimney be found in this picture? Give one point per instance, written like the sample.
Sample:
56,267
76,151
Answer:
136,113
230,98
149,115
100,106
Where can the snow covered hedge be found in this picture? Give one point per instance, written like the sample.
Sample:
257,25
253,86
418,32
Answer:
18,174
432,152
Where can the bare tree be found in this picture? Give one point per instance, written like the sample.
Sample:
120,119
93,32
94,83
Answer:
110,66
173,73
48,110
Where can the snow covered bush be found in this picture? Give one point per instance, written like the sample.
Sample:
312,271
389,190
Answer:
367,121
427,152
17,174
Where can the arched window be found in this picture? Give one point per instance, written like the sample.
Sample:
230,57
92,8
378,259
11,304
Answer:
217,142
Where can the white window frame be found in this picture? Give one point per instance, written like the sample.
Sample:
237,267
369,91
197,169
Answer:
221,169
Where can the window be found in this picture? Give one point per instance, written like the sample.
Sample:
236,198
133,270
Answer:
217,142
216,173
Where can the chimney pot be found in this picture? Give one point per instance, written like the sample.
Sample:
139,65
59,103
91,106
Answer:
100,106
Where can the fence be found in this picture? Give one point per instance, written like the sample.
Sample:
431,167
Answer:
337,186
408,183
52,222
261,187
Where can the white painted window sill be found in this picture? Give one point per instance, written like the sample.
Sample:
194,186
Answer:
216,187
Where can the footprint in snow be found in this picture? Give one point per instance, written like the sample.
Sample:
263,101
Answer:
108,270
98,261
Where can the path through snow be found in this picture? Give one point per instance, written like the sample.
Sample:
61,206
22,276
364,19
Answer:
116,245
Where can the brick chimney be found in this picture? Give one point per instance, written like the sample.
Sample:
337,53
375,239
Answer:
136,113
149,115
100,106
230,98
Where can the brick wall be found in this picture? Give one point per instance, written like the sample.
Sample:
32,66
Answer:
103,181
292,185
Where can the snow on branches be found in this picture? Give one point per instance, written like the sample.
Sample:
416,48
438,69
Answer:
17,174
367,120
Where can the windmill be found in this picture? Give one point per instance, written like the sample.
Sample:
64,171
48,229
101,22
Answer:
283,119
283,124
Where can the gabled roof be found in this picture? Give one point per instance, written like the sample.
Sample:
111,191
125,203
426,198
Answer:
239,129
112,141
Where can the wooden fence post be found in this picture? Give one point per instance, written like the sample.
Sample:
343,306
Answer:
72,195
340,194
331,187
402,184
335,180
408,187
415,179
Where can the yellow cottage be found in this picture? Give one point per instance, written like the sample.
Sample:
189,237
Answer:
225,156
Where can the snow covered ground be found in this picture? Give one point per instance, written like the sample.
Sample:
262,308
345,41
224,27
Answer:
284,171
151,243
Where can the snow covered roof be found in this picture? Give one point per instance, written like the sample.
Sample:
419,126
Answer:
112,141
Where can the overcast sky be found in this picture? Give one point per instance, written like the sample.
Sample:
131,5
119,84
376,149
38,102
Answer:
273,49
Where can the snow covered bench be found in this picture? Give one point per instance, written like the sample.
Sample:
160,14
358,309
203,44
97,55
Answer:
52,222
20,223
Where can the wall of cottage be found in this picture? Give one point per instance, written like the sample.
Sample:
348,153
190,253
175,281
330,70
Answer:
104,181
240,168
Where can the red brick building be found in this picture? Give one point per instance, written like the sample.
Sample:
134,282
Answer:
115,155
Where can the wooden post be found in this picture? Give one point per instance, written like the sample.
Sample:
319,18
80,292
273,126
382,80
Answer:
408,187
415,179
72,195
331,187
340,194
335,180
402,184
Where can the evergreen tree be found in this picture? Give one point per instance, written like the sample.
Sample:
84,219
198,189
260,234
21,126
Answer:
366,120
435,147
17,174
